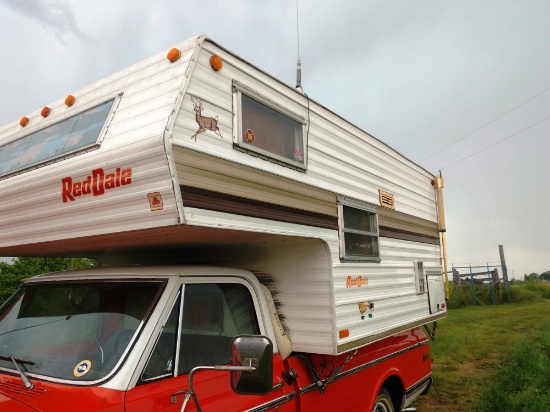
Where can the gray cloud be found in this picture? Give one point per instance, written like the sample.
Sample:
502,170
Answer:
417,75
55,15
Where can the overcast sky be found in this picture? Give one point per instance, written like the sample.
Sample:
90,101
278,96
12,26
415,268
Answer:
458,86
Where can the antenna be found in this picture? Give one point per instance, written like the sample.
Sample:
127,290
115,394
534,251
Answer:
298,63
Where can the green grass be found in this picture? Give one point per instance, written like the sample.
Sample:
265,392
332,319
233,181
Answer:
493,358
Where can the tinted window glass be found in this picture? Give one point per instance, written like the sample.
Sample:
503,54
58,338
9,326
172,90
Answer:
67,136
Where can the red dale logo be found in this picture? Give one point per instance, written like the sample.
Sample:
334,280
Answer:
96,184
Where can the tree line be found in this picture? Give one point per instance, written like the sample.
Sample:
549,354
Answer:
536,276
13,273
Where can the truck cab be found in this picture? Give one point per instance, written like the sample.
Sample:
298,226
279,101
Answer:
126,339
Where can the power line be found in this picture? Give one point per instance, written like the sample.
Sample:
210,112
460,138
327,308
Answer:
494,144
485,125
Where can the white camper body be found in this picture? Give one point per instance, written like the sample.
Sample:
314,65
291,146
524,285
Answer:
176,175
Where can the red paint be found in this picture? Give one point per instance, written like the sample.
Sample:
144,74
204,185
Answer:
355,392
96,183
49,396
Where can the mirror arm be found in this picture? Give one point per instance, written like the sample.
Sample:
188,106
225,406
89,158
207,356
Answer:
189,393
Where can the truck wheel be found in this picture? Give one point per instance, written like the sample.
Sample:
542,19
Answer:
383,402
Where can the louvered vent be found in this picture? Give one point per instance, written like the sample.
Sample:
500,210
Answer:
420,277
20,389
386,199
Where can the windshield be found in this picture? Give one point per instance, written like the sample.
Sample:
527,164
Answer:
73,331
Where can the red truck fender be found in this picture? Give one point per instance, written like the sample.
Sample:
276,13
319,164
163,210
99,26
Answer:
392,380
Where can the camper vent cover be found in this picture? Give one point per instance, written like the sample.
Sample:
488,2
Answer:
386,199
420,277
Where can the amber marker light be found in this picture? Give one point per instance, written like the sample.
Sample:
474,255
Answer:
173,55
216,63
24,121
45,111
344,333
69,101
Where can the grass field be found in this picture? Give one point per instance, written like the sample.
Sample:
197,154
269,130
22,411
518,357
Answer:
494,358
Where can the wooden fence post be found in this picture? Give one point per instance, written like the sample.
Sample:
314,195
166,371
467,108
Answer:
504,271
496,282
456,278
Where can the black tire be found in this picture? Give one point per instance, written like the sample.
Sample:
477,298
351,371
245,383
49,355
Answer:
383,402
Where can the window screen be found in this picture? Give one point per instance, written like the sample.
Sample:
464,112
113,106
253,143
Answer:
66,137
271,131
358,234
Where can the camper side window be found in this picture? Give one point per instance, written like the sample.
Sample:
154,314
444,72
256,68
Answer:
268,130
358,233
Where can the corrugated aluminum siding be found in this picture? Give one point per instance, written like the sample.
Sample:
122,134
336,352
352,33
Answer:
32,209
296,267
343,160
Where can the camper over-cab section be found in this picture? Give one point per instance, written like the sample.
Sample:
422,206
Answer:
197,156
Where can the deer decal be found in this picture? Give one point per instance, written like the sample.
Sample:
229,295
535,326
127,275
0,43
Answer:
205,123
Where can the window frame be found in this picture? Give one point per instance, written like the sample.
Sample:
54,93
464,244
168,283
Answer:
342,230
238,133
65,155
180,295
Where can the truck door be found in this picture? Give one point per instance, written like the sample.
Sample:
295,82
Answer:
198,332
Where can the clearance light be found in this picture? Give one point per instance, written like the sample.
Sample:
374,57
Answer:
216,63
24,121
173,55
69,101
45,111
344,333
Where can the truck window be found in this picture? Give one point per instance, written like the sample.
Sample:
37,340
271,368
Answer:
212,315
76,331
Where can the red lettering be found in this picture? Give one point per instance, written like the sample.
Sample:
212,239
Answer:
95,184
66,189
357,281
77,189
97,187
87,186
126,177
110,181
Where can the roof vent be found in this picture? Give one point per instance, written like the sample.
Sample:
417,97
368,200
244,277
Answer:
386,199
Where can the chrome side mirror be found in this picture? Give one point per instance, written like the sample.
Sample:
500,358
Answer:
256,352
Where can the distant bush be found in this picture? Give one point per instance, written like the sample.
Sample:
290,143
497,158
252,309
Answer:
530,291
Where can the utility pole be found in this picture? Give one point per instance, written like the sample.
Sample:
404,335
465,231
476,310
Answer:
504,271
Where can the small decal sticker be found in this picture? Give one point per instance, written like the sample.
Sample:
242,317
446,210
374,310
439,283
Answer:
249,135
82,368
205,123
364,307
299,156
155,201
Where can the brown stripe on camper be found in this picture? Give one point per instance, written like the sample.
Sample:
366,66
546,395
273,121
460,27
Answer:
398,225
205,199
